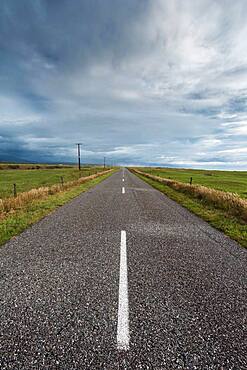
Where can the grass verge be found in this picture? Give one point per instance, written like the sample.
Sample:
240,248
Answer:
25,178
17,221
227,181
230,225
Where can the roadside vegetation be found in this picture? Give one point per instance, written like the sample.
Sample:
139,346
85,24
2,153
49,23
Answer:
27,177
225,210
20,211
228,181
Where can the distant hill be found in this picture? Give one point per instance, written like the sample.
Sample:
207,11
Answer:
11,158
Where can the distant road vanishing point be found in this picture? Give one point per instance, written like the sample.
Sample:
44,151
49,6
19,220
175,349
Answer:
122,277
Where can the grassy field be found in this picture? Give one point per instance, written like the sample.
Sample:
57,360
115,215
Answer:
230,181
31,212
27,178
222,210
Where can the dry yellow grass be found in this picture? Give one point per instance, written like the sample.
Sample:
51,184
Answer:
229,202
13,203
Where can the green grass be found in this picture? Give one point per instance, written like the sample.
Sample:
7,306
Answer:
18,221
221,220
33,178
230,181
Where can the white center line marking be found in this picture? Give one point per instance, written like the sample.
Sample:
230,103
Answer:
123,179
123,190
123,301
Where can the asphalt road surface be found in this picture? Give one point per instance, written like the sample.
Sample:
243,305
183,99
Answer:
122,277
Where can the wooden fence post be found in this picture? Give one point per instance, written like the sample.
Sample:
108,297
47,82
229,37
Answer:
15,191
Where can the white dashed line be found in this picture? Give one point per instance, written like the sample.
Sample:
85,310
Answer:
123,190
123,301
123,179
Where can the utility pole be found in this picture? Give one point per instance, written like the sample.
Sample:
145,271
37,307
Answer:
104,162
79,155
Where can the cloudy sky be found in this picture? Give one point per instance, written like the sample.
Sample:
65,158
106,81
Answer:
138,81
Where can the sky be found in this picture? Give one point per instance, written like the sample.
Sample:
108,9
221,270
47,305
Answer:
141,82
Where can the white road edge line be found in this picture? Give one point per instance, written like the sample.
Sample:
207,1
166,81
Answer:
123,190
123,300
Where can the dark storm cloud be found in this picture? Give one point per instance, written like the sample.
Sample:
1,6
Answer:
67,32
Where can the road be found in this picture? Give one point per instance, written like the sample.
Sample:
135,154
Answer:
122,277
